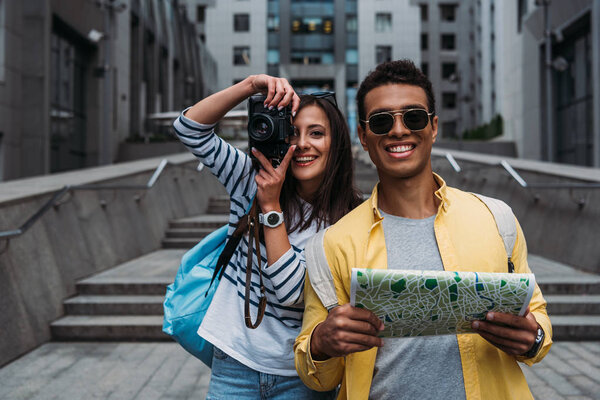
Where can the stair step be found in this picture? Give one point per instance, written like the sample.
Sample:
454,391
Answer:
570,285
180,243
109,328
115,305
124,286
188,232
573,304
201,221
575,327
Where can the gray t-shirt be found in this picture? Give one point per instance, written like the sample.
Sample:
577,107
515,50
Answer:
426,367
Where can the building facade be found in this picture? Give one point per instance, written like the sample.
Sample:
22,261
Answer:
77,79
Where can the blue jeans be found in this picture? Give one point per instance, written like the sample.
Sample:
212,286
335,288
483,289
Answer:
232,380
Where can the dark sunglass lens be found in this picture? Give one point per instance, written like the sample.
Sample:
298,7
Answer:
415,120
381,124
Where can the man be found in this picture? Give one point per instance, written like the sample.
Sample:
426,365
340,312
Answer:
414,221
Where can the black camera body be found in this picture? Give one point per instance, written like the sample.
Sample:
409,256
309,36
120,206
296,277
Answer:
268,130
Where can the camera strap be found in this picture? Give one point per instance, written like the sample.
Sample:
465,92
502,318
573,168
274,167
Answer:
254,241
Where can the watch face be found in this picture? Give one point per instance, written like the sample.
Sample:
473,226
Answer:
273,219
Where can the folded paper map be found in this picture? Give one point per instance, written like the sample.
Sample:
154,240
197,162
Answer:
421,303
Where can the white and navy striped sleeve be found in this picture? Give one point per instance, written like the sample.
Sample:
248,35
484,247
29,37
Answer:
287,277
231,166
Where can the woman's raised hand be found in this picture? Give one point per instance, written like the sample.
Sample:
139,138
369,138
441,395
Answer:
269,180
279,92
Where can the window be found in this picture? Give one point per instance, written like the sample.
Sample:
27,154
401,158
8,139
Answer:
351,23
521,12
352,56
273,23
200,13
312,25
241,55
383,22
448,41
449,70
449,100
273,56
424,12
301,56
241,22
383,54
449,129
448,12
425,68
424,41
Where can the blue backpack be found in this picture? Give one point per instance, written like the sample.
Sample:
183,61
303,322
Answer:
188,298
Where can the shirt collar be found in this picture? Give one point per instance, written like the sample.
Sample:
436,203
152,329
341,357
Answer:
441,194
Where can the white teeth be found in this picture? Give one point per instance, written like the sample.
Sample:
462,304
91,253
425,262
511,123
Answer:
304,159
401,149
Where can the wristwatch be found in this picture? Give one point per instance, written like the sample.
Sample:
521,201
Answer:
539,339
272,219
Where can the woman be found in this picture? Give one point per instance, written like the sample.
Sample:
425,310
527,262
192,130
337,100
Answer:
314,192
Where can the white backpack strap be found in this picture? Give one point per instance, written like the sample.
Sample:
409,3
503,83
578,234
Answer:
505,221
319,272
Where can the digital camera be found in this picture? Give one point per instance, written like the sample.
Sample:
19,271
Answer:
268,130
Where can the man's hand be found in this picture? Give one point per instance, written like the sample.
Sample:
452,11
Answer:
510,333
346,330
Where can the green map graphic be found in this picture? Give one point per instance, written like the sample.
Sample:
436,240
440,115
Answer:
421,303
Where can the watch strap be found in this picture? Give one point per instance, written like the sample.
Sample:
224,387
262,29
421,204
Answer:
537,345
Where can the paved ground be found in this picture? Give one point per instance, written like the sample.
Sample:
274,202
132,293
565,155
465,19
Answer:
147,371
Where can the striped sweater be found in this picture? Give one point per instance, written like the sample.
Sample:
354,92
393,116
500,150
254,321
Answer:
269,348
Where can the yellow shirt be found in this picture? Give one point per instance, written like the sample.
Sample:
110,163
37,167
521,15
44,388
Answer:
468,240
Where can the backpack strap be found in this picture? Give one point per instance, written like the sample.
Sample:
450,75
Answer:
505,221
318,270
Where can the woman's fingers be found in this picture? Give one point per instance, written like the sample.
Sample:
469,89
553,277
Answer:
266,164
283,166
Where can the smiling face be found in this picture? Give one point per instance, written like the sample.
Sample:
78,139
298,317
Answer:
401,153
312,138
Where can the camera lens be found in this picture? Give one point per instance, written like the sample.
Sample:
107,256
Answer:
260,127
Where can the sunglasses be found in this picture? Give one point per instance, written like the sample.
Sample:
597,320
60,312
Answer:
415,119
329,96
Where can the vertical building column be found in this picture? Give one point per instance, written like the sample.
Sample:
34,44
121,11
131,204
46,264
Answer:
285,36
340,53
596,81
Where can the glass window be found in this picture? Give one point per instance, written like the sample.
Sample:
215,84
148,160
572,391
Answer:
273,23
200,13
521,12
352,56
424,12
311,57
449,100
241,55
351,23
241,22
425,68
448,41
273,56
312,25
383,54
448,12
383,22
424,41
449,129
449,70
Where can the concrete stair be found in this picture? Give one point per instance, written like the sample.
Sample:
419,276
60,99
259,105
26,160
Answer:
126,302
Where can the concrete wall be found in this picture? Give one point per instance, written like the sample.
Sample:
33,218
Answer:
78,238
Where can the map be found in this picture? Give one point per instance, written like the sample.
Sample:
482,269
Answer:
421,303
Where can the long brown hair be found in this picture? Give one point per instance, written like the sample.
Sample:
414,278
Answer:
337,194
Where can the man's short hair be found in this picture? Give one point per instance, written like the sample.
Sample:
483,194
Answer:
390,72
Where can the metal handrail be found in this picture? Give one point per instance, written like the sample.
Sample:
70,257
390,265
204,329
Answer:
522,182
7,235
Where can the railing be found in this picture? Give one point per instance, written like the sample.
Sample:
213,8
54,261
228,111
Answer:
536,185
56,196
